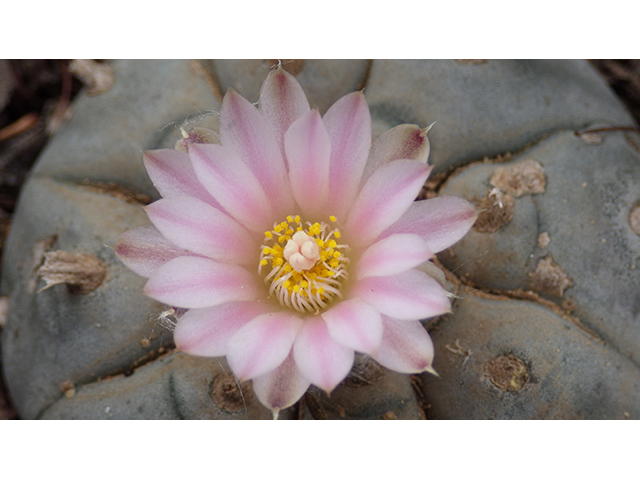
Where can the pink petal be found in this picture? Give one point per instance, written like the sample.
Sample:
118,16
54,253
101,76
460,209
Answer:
440,221
247,132
281,387
144,249
231,182
355,324
172,174
206,331
392,255
319,357
308,152
385,198
262,344
411,295
199,227
406,347
401,142
348,123
282,101
197,282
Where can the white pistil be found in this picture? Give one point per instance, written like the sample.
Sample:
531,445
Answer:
302,252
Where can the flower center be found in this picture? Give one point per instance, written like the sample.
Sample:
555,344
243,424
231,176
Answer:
308,266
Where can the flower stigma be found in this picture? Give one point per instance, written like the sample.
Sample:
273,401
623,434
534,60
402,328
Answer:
308,265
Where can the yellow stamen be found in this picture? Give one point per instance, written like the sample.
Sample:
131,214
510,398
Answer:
304,288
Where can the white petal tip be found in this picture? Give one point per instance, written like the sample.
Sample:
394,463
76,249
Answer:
431,370
328,391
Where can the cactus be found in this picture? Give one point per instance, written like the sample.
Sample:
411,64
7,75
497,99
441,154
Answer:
543,320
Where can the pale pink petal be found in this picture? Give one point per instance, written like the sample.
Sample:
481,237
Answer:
197,282
406,347
282,101
355,324
440,221
392,255
411,295
308,153
231,182
200,228
401,142
144,249
384,199
247,132
172,174
262,344
281,387
348,123
206,331
319,357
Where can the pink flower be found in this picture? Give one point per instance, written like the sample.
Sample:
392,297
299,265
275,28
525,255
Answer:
295,242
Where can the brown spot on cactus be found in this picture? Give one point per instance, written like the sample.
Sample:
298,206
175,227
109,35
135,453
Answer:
81,272
550,278
4,311
97,77
591,138
68,388
37,258
634,218
115,190
508,373
544,240
228,394
569,305
496,210
521,178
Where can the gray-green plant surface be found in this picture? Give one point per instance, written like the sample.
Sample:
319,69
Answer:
545,323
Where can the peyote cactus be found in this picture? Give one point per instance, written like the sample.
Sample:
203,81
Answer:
545,286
